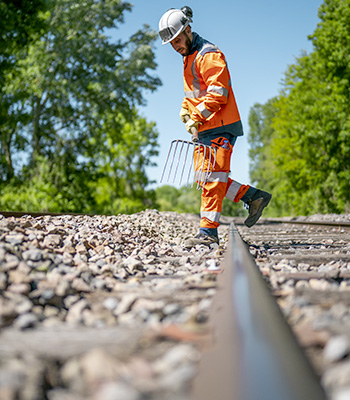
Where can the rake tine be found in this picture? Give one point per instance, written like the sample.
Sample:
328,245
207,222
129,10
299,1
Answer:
184,165
199,173
208,168
178,160
172,160
166,161
197,160
205,176
202,168
189,171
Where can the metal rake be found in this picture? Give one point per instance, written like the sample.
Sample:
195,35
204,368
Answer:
178,155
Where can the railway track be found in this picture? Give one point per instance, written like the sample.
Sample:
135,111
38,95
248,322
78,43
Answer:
306,266
95,307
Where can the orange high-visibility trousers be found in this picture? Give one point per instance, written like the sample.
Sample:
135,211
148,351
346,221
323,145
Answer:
215,181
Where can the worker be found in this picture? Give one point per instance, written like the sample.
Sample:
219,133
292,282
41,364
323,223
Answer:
209,107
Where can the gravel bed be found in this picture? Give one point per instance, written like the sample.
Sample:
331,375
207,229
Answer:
103,307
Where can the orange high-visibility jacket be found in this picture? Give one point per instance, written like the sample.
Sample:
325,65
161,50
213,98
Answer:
208,93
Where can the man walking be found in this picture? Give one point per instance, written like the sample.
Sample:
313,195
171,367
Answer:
209,106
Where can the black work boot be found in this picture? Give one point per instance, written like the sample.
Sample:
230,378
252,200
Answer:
256,205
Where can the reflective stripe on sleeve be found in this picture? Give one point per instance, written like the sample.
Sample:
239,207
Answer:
233,190
218,90
201,108
211,89
195,94
213,177
190,95
211,215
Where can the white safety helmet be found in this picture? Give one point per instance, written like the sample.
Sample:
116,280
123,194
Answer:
173,22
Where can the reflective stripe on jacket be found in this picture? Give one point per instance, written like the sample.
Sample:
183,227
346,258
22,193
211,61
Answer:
208,93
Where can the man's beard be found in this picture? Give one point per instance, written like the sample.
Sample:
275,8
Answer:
188,45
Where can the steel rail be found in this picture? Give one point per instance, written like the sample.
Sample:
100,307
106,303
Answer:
255,355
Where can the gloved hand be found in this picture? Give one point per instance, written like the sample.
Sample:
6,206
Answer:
190,124
184,113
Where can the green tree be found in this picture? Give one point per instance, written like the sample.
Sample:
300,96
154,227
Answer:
73,101
186,199
167,198
306,157
122,163
22,21
260,136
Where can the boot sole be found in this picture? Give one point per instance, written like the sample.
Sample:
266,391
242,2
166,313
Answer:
264,203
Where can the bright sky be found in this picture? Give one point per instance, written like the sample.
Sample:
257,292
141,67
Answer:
259,38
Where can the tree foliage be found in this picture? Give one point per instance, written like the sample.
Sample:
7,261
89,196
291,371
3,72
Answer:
72,128
301,139
184,200
22,21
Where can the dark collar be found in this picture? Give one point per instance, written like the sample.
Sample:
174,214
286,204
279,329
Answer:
196,40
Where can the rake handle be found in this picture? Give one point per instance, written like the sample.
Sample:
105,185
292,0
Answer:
194,131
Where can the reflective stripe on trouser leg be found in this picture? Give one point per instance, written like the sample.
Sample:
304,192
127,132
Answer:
235,190
211,205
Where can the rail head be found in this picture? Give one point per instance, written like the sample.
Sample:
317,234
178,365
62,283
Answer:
255,355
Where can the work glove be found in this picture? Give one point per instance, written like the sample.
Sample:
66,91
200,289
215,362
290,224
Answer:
184,113
190,124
